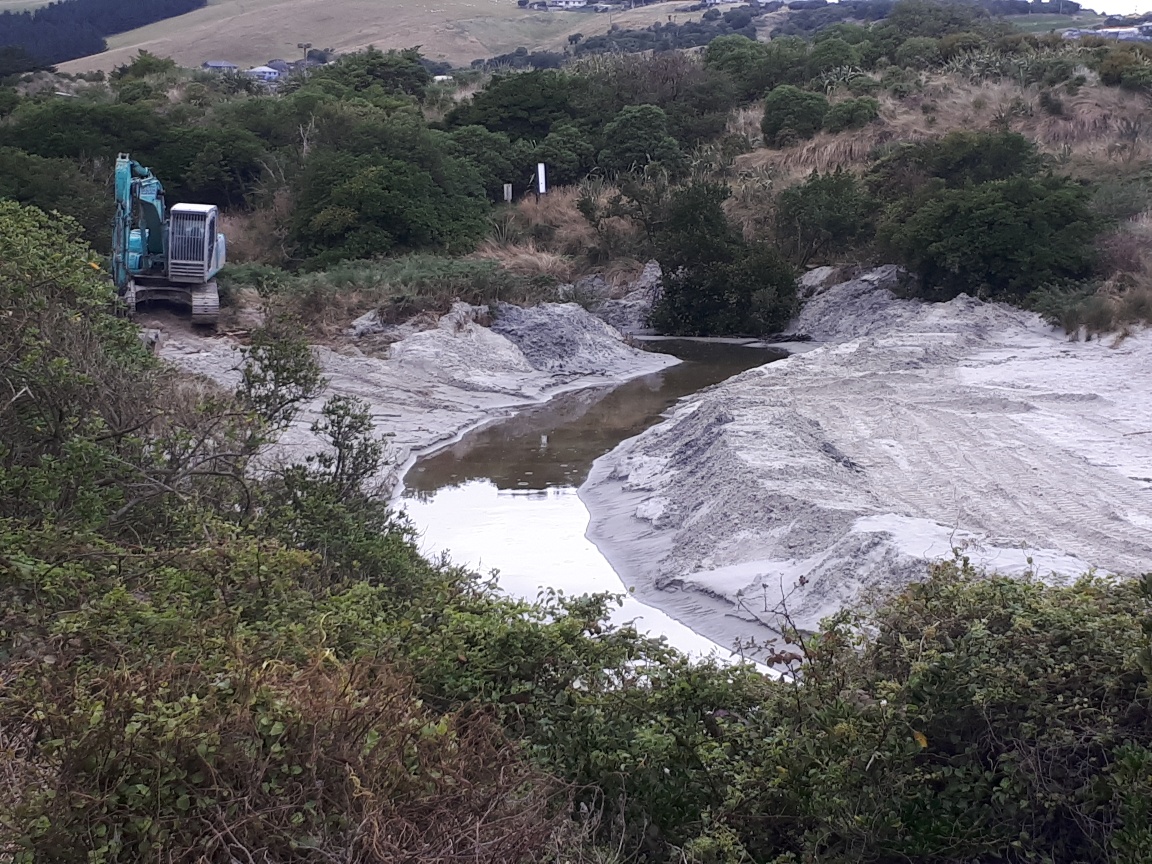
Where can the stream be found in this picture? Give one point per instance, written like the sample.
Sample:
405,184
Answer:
504,496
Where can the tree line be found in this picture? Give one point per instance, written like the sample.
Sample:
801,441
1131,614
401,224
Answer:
68,29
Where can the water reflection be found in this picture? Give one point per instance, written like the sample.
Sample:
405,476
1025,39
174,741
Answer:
504,497
555,444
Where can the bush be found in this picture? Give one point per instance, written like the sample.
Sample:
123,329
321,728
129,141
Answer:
851,114
958,159
714,283
919,52
752,292
998,240
399,288
955,44
980,719
827,213
790,112
638,136
862,85
361,206
829,54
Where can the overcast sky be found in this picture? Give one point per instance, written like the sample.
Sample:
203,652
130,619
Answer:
1118,7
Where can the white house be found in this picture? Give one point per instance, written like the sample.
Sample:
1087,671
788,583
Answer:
567,4
262,73
219,66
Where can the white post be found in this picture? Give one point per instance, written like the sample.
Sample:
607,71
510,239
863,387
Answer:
507,193
541,180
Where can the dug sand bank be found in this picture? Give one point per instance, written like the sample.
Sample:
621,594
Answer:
911,430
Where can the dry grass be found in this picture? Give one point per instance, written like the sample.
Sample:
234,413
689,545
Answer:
744,122
1100,126
259,235
248,32
526,259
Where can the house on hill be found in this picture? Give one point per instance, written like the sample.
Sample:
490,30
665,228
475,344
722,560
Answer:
567,4
263,73
219,66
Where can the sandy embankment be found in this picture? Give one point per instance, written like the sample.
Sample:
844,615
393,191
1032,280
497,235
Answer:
437,384
911,430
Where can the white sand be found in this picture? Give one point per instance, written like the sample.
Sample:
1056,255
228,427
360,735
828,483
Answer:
912,430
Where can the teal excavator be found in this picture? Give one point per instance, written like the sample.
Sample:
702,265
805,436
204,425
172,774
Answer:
164,254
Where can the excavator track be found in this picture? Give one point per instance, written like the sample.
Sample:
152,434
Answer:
205,301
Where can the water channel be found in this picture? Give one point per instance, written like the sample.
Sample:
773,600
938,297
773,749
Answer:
504,496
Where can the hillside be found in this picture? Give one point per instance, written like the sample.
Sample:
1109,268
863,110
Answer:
453,30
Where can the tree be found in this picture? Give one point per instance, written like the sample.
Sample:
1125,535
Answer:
638,136
524,105
388,72
791,113
57,185
998,240
142,65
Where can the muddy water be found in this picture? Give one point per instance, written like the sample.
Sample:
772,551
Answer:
504,497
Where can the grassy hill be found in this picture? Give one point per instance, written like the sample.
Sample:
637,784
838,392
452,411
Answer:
254,31
1045,23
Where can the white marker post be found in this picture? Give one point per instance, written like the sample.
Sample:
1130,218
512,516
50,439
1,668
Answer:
541,180
507,193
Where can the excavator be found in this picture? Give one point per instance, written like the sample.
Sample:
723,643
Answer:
160,254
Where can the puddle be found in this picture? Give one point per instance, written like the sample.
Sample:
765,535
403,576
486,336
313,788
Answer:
504,496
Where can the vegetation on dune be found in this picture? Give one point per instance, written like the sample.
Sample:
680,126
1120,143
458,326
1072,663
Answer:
206,663
369,157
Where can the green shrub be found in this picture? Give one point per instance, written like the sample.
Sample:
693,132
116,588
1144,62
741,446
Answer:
831,53
919,52
638,136
863,85
955,44
714,282
970,718
790,112
1092,310
1000,240
851,114
750,292
827,213
957,159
